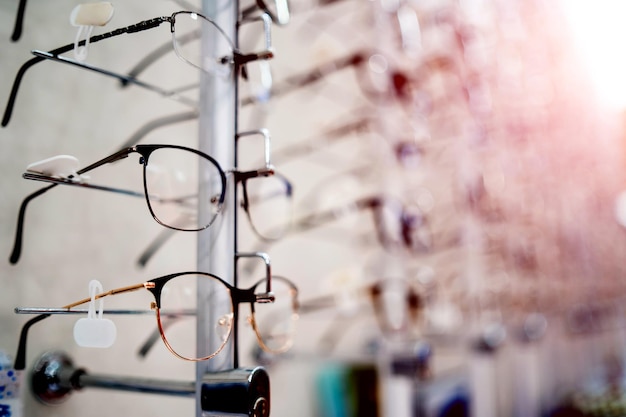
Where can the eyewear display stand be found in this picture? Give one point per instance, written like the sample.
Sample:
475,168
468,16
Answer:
220,386
236,392
219,389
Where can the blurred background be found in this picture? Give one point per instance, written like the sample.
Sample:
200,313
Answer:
455,221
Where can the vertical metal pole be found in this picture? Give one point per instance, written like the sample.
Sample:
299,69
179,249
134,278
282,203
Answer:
216,245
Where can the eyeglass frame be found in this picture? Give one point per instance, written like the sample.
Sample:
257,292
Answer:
262,5
240,176
414,301
369,203
238,60
154,286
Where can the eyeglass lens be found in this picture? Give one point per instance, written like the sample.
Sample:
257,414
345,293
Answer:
269,204
275,322
172,179
178,314
201,43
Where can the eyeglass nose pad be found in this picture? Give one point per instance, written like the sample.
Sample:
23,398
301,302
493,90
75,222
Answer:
223,326
215,204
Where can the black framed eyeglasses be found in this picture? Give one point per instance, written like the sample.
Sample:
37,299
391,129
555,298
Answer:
175,181
187,29
272,314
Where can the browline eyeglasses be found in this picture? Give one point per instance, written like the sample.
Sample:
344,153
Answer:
272,297
220,62
176,179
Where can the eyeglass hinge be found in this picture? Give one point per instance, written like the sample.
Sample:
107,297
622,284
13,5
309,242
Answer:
265,298
146,24
240,59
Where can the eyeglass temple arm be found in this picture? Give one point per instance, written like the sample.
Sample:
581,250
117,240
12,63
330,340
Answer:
121,154
173,94
330,135
19,21
65,181
19,232
114,291
157,123
316,219
146,24
154,246
20,357
312,76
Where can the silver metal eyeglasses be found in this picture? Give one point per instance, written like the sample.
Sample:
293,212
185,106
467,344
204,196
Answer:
187,29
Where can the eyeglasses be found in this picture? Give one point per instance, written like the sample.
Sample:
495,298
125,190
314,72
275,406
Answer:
398,308
397,226
175,299
176,179
377,79
185,27
278,10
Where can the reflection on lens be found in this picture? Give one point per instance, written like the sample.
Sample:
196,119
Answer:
269,205
178,309
275,322
202,44
172,184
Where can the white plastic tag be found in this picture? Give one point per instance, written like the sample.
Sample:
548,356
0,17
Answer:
95,331
92,14
57,166
85,17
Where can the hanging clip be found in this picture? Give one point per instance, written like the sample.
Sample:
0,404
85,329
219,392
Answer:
85,17
92,331
59,166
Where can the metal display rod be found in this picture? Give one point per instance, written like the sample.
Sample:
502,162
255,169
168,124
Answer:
239,392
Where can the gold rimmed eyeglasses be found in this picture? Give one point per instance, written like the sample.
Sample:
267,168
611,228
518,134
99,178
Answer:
273,312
